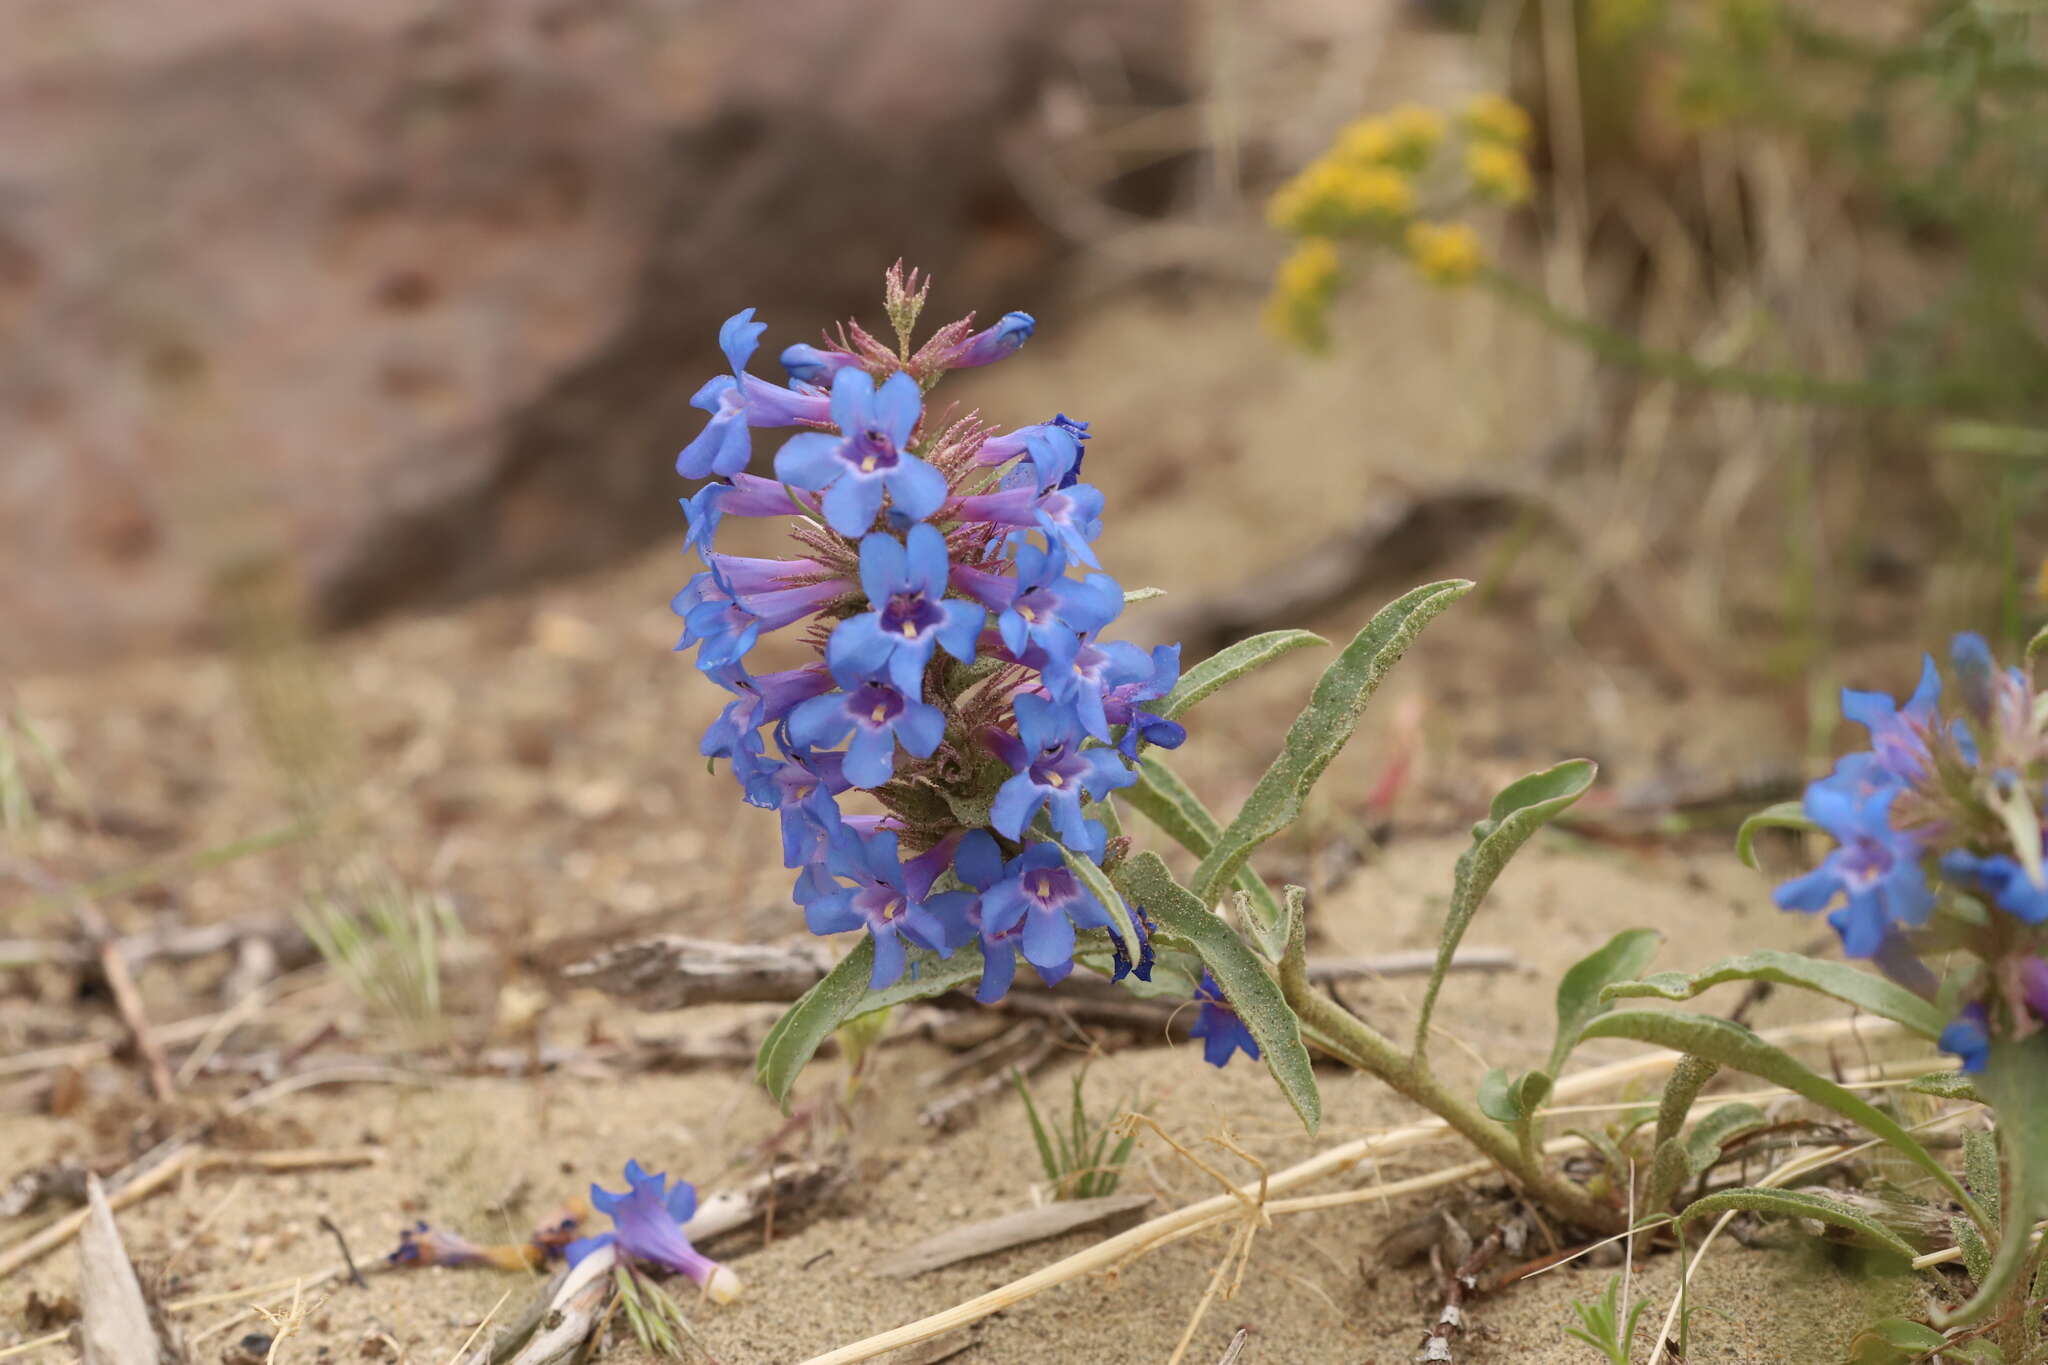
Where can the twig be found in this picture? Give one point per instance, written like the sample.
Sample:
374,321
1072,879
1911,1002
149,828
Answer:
948,1111
1451,1321
1331,1162
355,1277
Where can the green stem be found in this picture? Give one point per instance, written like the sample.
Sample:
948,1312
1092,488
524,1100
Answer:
1364,1047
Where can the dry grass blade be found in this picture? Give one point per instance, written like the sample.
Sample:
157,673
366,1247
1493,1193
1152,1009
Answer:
114,1326
1011,1230
1336,1160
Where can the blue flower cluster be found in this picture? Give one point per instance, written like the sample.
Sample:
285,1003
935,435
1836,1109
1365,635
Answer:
953,670
1939,806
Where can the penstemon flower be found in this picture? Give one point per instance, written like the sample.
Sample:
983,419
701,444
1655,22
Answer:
1939,834
647,1227
935,762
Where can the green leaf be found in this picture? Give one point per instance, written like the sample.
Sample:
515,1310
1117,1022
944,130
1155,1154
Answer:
2015,1080
843,995
1617,1164
1161,797
1906,1335
1784,815
1514,1101
1947,1085
1322,729
1579,998
1980,1169
1734,1046
2037,645
1976,1255
1800,1204
1868,992
1522,807
1228,665
1251,990
1712,1134
1098,884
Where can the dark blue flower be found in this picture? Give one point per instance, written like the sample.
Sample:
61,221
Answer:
1223,1034
993,343
906,585
738,401
854,468
1085,678
2033,985
756,702
2001,877
1042,606
891,899
1876,868
1968,1036
1051,770
878,717
1121,965
1036,904
647,1226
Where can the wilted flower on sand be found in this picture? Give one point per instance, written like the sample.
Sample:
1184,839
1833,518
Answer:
647,1227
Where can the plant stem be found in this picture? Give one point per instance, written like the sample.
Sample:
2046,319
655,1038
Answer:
1364,1047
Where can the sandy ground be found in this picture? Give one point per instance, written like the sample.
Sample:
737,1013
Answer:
532,759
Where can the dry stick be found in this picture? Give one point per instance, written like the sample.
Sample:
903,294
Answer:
187,1306
1336,1159
40,1244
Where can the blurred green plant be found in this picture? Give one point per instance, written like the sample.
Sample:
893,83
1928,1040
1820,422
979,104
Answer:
1607,1324
1927,128
1079,1162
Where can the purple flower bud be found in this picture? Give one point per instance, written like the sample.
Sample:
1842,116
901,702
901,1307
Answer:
992,344
2033,974
1969,1037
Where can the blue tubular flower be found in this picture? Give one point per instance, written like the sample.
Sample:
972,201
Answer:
993,343
748,495
854,468
1223,1034
1121,965
731,605
1898,734
879,717
1120,705
1054,448
1086,676
647,1222
1968,1037
888,898
1040,897
799,790
738,401
1876,867
423,1244
906,585
1050,610
809,364
756,702
2003,878
1052,770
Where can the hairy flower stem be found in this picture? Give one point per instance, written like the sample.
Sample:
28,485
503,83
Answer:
1360,1045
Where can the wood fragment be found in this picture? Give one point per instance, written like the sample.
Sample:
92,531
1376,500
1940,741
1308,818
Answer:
114,1326
1236,1347
937,1349
1011,1230
785,1188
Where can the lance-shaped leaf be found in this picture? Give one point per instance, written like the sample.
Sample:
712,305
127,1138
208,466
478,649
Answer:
1523,807
1579,991
2015,1080
1161,797
1322,729
1250,988
1800,1204
1227,665
1947,1085
1866,991
1515,1100
844,995
1784,815
1683,1159
1734,1046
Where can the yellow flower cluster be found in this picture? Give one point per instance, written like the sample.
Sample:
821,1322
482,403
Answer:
1498,172
1303,288
1444,253
1496,118
1335,195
